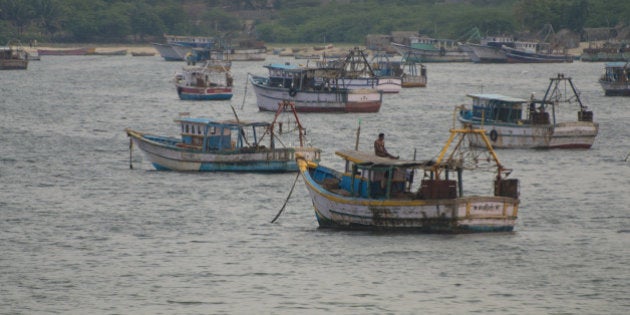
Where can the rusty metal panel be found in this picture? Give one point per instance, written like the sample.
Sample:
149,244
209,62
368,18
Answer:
438,189
506,188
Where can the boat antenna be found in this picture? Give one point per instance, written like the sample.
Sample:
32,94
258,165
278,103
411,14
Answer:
245,93
284,106
288,197
131,150
240,128
356,143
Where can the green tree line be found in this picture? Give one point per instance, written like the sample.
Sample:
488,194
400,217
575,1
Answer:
295,21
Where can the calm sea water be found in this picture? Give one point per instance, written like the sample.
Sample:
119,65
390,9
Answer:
82,233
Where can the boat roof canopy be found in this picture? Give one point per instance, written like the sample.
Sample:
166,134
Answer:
225,123
498,97
617,64
371,160
283,66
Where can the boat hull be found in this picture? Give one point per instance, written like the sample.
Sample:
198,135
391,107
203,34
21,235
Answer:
568,135
122,52
604,55
382,84
204,93
66,52
254,54
460,215
519,56
615,88
165,154
412,81
13,64
389,84
486,54
342,100
423,55
167,52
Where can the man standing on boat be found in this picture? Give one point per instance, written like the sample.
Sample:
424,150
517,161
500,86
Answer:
379,147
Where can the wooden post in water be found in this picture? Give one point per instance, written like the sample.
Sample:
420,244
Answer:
356,144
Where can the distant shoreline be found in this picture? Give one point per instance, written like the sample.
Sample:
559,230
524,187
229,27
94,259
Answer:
148,48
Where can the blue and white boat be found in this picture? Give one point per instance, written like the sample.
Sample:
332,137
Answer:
616,80
167,52
312,90
208,145
208,82
355,72
516,123
378,193
177,47
531,52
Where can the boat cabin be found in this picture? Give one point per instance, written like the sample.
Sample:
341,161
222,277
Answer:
208,135
373,177
501,109
208,75
297,78
190,41
617,72
284,75
428,43
496,108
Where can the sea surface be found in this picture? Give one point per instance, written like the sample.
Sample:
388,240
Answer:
82,233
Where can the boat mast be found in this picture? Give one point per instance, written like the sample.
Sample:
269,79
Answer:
283,106
437,167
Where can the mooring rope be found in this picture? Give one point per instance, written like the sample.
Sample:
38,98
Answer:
245,95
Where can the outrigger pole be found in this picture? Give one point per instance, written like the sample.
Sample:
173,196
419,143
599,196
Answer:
130,152
356,143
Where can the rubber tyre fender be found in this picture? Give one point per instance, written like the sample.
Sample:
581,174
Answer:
494,135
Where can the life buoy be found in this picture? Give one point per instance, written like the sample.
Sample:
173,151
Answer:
494,135
292,92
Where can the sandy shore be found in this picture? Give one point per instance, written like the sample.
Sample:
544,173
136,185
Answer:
99,48
299,48
303,49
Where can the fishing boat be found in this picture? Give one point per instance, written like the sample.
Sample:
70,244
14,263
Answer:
307,56
408,73
425,49
517,123
312,90
247,54
33,56
210,81
616,80
177,47
67,52
356,72
531,52
119,52
208,145
380,193
609,51
167,52
413,74
489,49
142,53
13,56
238,50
